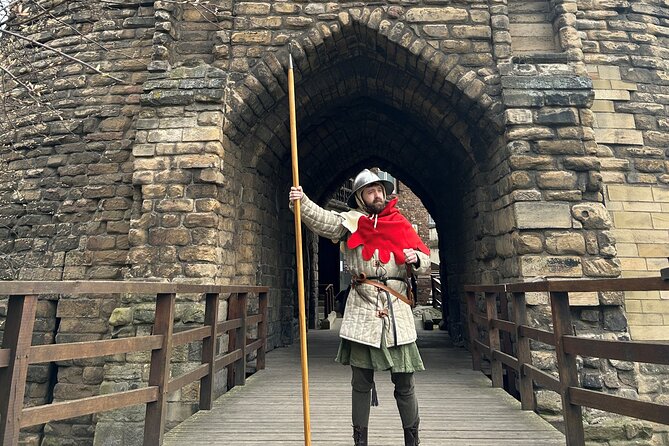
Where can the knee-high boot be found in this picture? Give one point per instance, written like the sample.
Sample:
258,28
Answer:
411,435
360,436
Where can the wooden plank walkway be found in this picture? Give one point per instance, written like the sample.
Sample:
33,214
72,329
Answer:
458,405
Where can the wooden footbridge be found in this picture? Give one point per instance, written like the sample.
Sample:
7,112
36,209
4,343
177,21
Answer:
459,406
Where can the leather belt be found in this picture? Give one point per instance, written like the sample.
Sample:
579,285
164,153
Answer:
362,279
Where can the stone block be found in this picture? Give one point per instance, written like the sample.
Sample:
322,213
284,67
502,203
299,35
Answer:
612,95
553,82
608,72
660,220
121,316
164,135
601,105
565,243
624,192
632,220
618,136
601,267
175,205
518,116
202,134
471,32
535,215
528,243
526,162
436,14
560,147
558,116
653,249
252,37
592,215
550,266
614,120
198,161
660,194
169,236
557,180
78,308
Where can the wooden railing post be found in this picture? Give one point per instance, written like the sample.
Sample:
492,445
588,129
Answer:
209,350
159,374
473,331
507,346
523,352
237,340
493,340
17,338
562,326
262,330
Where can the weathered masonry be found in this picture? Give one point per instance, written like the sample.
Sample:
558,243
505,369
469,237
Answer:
534,132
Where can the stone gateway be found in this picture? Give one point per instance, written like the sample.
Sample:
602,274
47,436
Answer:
150,140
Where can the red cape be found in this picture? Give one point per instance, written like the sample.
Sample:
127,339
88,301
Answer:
393,233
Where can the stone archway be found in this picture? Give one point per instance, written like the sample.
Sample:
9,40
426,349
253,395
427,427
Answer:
370,92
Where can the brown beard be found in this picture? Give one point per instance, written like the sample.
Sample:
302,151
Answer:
376,207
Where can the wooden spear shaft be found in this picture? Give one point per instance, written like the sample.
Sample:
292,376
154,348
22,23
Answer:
298,249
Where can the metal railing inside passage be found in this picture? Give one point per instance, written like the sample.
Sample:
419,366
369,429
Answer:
500,327
16,352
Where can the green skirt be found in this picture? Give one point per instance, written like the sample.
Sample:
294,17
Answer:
402,359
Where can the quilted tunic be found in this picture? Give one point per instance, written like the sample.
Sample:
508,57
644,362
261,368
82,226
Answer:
361,322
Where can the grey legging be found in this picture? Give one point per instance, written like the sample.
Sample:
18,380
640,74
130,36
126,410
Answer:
405,396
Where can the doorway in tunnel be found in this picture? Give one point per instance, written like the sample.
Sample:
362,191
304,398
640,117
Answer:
419,116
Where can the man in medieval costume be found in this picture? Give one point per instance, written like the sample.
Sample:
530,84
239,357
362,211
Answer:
378,330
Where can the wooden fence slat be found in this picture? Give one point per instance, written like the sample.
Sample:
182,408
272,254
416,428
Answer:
659,413
230,324
480,319
85,406
159,373
74,287
188,336
197,373
483,348
539,335
262,330
506,326
562,326
652,352
253,319
542,378
473,331
17,338
493,336
209,351
91,349
523,352
505,359
227,359
253,346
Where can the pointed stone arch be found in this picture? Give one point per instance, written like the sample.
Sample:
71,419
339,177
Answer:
461,100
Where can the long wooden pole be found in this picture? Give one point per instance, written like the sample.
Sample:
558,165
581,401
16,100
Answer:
298,249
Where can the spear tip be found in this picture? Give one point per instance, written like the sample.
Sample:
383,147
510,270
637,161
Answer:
290,61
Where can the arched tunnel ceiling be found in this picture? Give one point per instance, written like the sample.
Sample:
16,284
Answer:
362,112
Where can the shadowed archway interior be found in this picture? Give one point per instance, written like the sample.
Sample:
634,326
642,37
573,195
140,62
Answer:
365,110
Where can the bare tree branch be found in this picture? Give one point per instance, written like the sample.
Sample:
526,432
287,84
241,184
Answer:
50,48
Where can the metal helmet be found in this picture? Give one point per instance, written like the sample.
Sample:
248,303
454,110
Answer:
365,178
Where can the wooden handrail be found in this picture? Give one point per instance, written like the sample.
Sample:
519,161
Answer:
16,353
567,347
